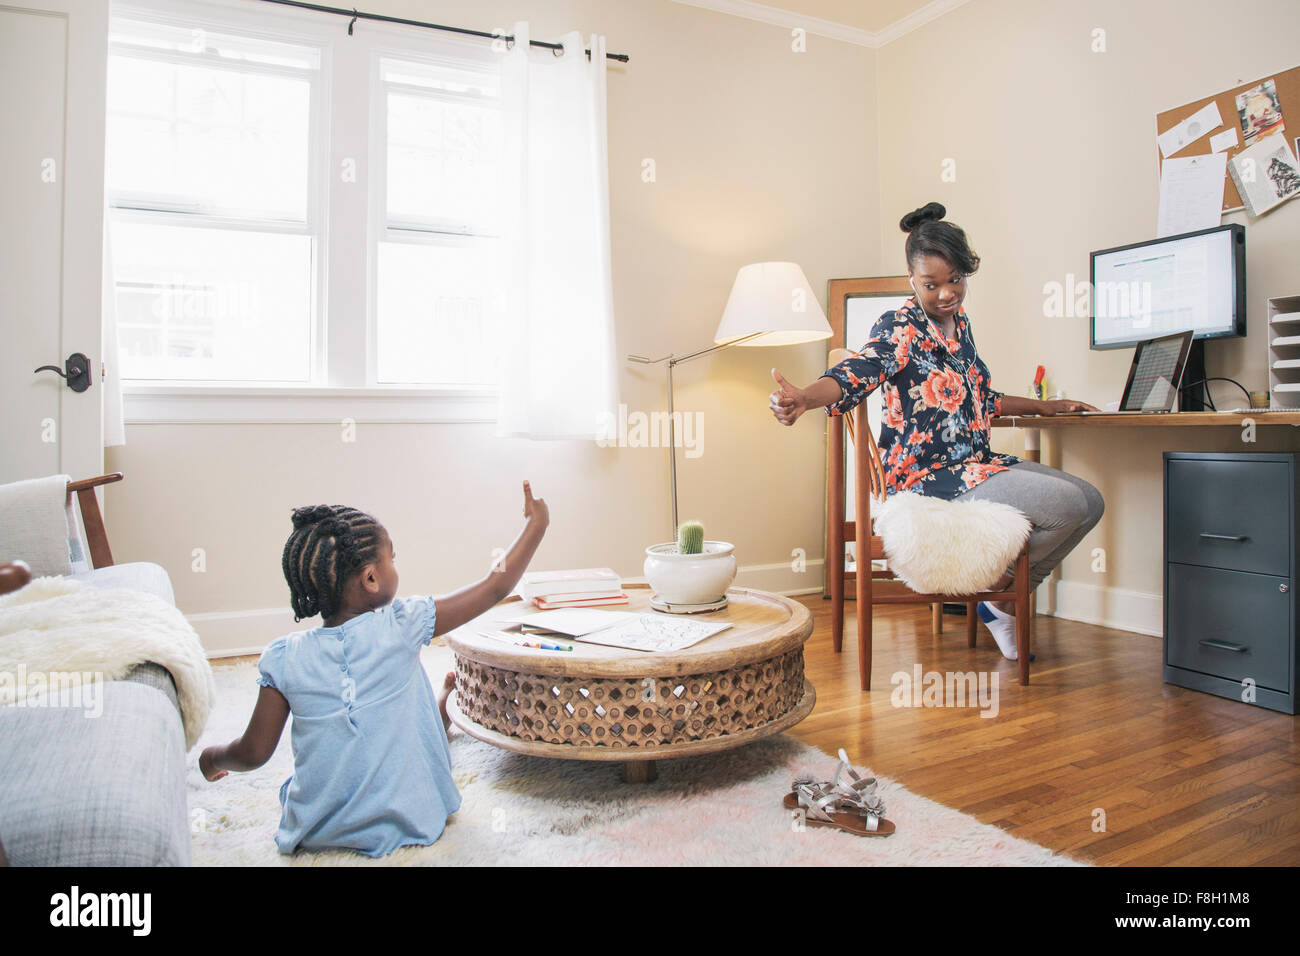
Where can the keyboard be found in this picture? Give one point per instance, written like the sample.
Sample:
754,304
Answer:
1130,411
1222,411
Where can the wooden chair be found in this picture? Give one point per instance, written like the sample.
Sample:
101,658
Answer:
868,547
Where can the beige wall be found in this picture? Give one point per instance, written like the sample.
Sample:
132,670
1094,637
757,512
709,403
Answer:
1055,156
766,154
761,153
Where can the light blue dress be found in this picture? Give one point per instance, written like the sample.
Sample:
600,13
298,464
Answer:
371,769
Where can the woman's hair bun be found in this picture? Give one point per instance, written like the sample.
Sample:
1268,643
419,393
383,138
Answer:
931,211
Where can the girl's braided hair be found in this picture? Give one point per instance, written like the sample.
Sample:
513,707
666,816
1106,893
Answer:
329,544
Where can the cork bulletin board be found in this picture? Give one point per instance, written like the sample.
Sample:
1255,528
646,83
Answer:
1288,96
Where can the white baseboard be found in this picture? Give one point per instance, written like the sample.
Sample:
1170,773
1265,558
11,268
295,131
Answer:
1120,608
237,633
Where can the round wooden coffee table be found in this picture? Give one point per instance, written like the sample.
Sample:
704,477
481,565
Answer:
634,707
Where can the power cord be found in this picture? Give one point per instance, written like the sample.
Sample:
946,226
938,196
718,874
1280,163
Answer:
1217,378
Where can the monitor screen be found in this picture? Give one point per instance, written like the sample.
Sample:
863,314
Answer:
1195,281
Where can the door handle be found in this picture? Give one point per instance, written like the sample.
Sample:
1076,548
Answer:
76,371
1223,537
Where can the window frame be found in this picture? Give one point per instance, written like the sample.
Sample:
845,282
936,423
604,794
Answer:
343,364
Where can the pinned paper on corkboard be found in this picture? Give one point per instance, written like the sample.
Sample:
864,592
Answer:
1264,108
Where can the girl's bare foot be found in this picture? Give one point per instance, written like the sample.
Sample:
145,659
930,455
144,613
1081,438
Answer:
448,685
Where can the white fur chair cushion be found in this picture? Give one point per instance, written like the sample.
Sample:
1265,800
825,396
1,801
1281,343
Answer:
948,547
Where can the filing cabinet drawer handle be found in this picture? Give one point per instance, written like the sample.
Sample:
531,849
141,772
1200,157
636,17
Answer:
1223,537
1225,646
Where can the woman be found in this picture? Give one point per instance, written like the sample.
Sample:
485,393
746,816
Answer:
935,432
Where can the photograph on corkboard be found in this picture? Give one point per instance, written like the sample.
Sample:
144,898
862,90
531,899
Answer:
1260,113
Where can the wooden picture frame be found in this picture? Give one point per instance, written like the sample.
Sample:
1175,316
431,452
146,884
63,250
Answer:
850,303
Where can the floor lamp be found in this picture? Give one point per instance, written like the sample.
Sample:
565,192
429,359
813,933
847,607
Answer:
771,303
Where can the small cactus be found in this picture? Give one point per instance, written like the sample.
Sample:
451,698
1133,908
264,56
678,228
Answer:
690,538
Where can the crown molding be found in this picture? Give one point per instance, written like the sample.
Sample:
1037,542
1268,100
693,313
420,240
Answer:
917,19
761,12
777,17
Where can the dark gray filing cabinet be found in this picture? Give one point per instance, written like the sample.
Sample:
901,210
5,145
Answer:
1230,565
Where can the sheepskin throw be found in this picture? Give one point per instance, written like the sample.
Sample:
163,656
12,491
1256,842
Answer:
937,546
60,625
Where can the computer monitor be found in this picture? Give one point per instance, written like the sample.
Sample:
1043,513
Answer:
1194,281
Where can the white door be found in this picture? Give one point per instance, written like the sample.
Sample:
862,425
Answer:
53,69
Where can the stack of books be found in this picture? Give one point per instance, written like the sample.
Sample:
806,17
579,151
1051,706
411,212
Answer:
588,587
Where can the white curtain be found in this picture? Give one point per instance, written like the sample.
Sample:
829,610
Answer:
111,398
558,376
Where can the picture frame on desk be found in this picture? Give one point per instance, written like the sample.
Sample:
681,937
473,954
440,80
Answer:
852,308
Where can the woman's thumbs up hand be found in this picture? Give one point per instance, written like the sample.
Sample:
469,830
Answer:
787,402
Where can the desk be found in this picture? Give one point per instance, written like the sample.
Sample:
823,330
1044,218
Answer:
1031,423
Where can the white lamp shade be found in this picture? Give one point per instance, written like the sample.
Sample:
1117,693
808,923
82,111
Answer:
775,298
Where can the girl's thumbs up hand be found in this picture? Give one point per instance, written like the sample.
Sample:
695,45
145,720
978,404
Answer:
535,508
787,402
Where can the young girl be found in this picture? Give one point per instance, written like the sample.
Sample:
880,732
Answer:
371,768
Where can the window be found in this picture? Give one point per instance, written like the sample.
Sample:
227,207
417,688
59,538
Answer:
303,223
436,255
214,224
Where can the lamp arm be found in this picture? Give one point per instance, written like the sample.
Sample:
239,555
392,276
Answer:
674,360
679,359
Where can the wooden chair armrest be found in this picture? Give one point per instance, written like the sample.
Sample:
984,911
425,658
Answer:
14,575
101,556
94,482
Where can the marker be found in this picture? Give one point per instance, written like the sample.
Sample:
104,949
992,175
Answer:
538,645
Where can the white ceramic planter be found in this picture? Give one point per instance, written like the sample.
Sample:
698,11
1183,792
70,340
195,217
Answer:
690,578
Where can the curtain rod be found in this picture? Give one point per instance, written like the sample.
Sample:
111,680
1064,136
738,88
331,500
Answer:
380,18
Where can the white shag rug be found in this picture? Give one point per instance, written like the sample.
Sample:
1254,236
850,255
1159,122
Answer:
949,547
720,809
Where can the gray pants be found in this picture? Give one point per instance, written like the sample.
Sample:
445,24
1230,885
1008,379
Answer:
1060,507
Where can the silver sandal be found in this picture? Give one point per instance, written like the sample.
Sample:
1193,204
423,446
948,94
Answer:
860,793
854,807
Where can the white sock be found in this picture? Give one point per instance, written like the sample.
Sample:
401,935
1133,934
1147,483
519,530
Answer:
1003,628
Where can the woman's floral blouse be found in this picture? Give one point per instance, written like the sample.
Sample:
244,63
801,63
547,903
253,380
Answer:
934,438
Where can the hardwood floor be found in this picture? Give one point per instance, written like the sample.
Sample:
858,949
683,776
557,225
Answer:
1183,778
